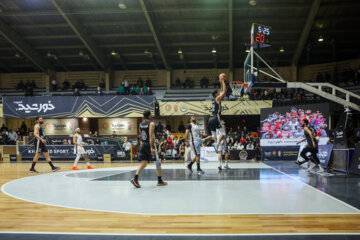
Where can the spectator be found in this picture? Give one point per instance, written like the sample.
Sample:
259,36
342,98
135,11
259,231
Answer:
99,92
96,134
23,128
127,147
126,85
19,137
4,137
13,137
148,83
140,83
241,146
187,83
4,128
236,145
250,146
102,84
120,90
66,85
54,84
33,84
29,91
243,140
204,82
114,134
82,85
76,92
229,141
20,86
65,141
97,142
141,92
181,127
257,152
177,83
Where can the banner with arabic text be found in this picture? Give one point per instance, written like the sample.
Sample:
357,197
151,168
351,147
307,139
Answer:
84,106
204,107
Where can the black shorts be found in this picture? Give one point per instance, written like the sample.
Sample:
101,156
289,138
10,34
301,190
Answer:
214,123
145,152
40,147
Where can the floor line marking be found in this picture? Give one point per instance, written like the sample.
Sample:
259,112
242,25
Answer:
314,188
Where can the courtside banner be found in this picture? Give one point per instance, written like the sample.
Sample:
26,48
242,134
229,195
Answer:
204,107
67,151
84,106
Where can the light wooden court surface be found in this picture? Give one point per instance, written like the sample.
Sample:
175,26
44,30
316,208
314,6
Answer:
21,216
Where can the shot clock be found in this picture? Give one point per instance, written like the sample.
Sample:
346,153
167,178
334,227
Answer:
260,35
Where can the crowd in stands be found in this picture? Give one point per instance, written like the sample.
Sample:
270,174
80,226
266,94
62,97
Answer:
27,87
135,89
9,137
190,83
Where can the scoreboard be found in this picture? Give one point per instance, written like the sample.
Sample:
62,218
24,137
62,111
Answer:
260,35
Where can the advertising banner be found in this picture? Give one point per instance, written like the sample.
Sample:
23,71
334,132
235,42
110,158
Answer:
84,106
204,108
208,154
67,151
280,153
121,126
324,154
60,126
283,125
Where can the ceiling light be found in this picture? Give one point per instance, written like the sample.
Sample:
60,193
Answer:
122,5
252,2
113,53
48,54
214,37
81,53
321,39
180,51
282,49
17,55
213,51
247,50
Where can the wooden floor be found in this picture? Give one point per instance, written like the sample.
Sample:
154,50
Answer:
21,216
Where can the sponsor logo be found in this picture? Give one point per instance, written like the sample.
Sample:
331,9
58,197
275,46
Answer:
35,107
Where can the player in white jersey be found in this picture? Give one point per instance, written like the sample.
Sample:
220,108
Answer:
193,139
222,145
79,150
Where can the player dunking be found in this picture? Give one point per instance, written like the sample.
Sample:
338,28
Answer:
79,150
40,146
194,136
222,145
214,122
311,147
147,151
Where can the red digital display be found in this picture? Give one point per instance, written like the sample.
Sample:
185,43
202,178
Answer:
260,34
260,38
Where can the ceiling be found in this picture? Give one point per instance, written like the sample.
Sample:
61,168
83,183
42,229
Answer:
80,35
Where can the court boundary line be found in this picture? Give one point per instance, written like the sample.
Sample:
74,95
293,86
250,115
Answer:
184,234
314,188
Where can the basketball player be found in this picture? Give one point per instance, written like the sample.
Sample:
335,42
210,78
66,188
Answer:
311,147
193,134
222,145
214,122
40,146
79,150
147,151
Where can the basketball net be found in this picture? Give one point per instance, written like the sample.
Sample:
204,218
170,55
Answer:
237,88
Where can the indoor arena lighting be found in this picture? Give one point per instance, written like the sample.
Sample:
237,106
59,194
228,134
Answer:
180,51
81,53
252,2
113,53
122,5
17,55
282,49
213,51
321,39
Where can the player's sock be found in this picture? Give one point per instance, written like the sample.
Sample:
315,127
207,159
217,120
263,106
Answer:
136,177
159,179
33,165
76,160
198,166
51,165
220,165
226,163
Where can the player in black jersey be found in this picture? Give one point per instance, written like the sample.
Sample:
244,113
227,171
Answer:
147,151
311,147
40,146
214,121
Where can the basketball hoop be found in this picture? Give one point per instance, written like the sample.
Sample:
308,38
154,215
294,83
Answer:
237,88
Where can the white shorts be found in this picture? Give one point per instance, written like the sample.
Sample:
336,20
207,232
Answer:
79,150
221,131
195,149
223,147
